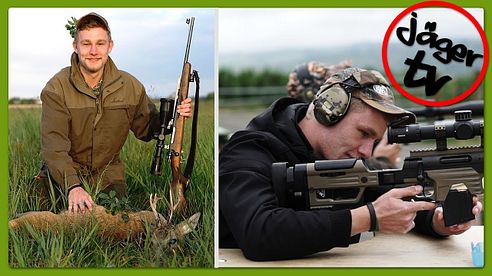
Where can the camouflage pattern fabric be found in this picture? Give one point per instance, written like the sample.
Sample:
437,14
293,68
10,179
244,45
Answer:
368,85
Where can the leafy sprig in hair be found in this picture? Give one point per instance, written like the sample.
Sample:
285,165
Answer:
72,26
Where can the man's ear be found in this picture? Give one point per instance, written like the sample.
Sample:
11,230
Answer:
74,45
110,46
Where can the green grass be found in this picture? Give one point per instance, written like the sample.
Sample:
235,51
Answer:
85,249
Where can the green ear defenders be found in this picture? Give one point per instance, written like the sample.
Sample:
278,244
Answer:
332,101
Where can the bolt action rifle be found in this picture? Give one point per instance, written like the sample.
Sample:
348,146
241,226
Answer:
174,123
321,184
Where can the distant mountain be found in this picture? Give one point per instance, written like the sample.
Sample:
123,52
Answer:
367,55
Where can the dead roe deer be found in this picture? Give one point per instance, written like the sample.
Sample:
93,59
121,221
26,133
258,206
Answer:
118,227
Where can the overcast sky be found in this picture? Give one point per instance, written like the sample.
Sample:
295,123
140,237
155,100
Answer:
148,43
256,30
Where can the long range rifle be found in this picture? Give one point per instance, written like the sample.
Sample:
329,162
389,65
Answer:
320,184
175,125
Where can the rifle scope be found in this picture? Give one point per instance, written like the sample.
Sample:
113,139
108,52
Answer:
165,113
462,129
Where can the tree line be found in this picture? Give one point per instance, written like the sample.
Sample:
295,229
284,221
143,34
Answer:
272,77
251,77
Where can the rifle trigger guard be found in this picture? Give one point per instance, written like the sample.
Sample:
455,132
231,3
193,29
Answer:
425,181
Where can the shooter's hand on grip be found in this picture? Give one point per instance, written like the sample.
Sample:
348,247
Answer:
394,215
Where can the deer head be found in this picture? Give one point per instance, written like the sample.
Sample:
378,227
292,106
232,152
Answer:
167,236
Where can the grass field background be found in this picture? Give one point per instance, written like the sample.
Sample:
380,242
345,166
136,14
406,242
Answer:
86,249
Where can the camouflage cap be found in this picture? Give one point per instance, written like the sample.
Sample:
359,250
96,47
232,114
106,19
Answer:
306,79
371,87
93,17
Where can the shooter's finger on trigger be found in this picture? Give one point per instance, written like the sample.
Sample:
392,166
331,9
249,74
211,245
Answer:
422,205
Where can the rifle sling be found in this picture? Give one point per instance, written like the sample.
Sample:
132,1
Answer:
191,156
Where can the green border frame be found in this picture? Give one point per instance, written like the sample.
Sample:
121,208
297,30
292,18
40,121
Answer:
6,4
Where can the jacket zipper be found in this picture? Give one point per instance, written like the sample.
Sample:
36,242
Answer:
98,104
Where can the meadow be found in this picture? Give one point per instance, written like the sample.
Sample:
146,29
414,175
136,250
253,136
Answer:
29,248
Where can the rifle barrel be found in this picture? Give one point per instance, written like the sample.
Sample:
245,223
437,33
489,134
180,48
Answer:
191,22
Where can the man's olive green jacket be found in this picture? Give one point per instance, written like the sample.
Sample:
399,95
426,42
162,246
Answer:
82,134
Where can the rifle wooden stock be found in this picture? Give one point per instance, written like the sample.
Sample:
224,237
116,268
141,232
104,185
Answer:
179,182
176,126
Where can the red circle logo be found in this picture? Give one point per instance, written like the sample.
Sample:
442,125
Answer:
418,100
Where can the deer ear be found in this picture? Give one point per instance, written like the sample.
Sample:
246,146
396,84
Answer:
188,225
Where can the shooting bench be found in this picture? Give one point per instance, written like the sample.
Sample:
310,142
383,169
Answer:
384,250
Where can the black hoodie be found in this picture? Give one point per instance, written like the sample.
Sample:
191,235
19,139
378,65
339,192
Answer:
251,216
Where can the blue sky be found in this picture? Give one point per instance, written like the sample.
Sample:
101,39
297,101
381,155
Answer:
149,43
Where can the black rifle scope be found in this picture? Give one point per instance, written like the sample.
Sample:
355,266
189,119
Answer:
462,128
165,116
